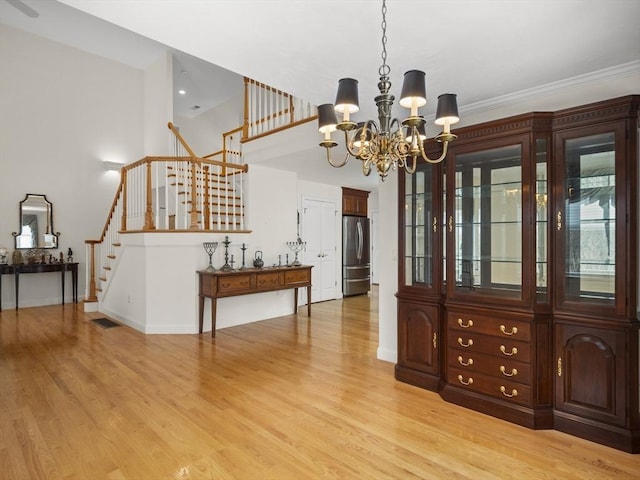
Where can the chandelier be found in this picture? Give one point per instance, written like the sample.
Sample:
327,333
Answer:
388,144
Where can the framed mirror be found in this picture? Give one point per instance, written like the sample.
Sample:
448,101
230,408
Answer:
36,223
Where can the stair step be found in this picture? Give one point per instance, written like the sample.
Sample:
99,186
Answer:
117,244
107,267
211,187
112,257
104,279
98,289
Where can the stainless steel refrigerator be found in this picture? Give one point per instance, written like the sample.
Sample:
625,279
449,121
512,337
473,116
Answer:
356,276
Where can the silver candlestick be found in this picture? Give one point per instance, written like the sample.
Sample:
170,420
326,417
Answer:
296,247
210,247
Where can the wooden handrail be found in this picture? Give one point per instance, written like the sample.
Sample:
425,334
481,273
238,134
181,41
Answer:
207,161
181,140
112,211
280,129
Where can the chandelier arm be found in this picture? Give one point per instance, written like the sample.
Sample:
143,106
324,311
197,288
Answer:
445,145
348,146
366,167
411,169
330,160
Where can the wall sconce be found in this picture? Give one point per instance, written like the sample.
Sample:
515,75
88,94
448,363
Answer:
112,166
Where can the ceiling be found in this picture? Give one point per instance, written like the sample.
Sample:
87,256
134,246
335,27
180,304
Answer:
481,50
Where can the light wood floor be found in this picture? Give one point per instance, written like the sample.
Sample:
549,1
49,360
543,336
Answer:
288,398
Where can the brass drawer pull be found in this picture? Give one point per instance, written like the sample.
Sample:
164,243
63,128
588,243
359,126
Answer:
468,325
463,363
450,223
514,392
465,345
503,370
435,224
468,382
559,366
513,351
559,220
513,331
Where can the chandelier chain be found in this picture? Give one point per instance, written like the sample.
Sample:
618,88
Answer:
384,69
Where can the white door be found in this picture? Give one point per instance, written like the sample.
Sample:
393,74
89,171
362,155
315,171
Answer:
319,227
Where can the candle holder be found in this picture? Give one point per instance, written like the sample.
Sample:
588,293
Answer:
226,267
244,249
296,247
210,247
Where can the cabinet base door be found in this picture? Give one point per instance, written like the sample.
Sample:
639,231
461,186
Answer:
595,394
418,345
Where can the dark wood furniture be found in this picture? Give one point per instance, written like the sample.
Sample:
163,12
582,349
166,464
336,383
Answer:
354,202
219,284
17,270
518,272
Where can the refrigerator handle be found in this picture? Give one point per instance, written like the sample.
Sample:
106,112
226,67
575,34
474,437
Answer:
360,235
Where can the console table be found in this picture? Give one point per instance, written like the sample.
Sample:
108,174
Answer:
219,284
17,270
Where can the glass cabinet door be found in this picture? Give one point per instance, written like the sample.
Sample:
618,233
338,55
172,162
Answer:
586,220
420,220
542,231
486,223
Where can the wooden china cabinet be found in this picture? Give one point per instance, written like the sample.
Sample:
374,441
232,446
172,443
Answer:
518,272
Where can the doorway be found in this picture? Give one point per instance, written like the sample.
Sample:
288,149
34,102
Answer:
319,227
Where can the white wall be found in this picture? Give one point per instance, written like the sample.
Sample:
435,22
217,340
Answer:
158,106
204,132
62,112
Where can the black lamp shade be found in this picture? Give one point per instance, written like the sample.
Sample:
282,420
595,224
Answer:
447,110
326,118
347,97
421,133
414,87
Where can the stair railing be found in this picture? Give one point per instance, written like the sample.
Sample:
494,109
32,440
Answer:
268,110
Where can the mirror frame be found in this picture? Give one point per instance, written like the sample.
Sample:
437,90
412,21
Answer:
52,238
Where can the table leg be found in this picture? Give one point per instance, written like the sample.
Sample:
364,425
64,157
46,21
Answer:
74,281
17,280
201,314
62,272
308,300
295,301
214,305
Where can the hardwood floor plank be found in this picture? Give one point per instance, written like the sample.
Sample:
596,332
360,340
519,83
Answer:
287,398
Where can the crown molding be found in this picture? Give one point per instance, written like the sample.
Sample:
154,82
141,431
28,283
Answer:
606,74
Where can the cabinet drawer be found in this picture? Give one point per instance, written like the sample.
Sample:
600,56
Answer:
505,369
490,385
234,283
297,276
500,327
503,348
267,279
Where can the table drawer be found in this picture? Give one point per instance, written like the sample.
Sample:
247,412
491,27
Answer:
292,277
234,283
501,368
267,279
495,387
515,329
503,348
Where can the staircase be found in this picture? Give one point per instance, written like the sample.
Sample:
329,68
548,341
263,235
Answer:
188,193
